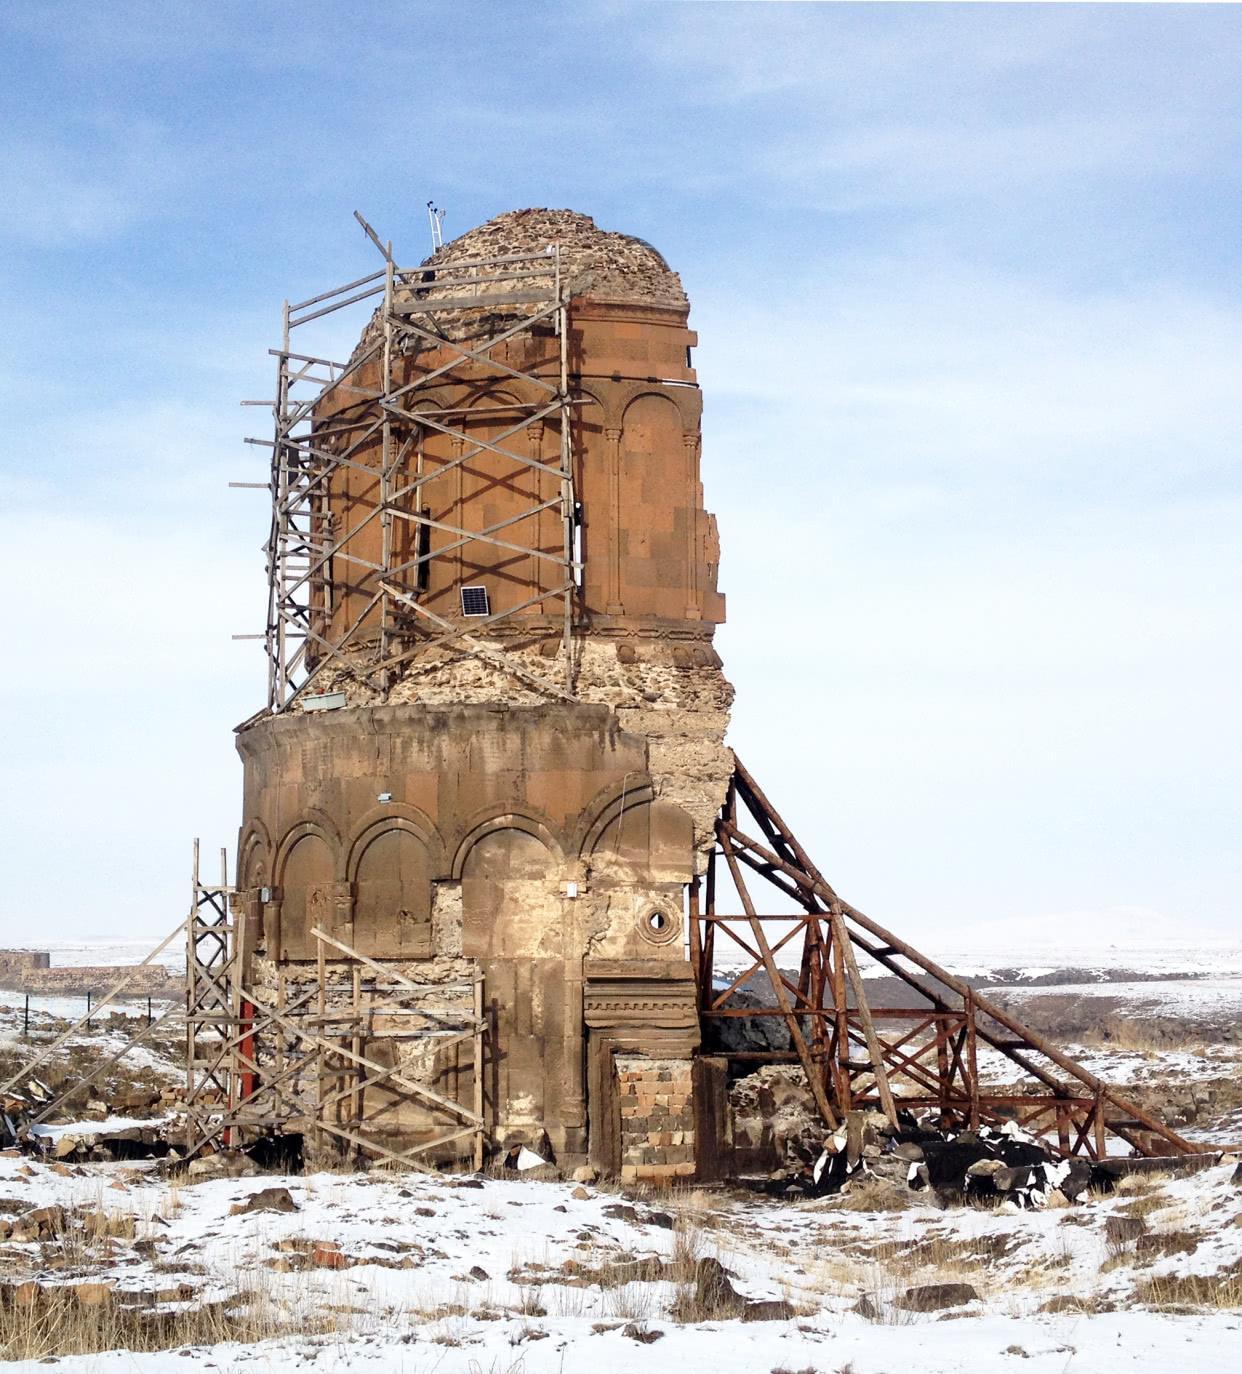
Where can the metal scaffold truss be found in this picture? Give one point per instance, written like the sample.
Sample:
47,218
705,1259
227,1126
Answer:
300,1058
920,1058
375,434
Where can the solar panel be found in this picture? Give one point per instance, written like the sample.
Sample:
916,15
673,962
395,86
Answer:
474,601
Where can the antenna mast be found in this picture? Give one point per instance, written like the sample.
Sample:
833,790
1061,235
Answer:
436,219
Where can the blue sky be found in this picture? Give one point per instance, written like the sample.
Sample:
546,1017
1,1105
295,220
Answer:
967,282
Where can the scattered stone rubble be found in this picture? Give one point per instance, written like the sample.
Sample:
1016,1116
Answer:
869,1163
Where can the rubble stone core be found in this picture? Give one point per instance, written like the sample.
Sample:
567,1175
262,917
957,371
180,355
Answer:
467,819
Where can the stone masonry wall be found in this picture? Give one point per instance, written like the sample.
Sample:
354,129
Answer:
682,710
15,962
28,971
657,1118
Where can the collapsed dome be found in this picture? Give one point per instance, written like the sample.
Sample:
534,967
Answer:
597,264
608,266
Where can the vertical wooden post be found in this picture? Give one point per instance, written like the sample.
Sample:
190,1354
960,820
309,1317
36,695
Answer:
279,1044
972,1059
479,1024
320,1057
356,1099
192,1119
709,932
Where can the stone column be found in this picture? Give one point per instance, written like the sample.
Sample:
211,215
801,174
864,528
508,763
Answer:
573,1102
690,445
613,603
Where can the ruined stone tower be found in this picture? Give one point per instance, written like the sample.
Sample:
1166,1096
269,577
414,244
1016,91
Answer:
494,740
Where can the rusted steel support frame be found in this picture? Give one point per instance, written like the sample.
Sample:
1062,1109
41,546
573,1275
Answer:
908,1064
758,963
694,931
972,1059
881,953
864,1016
1016,1056
779,882
819,887
810,1068
841,1022
708,978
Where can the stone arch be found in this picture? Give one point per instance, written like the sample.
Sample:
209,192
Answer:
522,818
254,855
316,823
400,816
306,870
687,401
511,903
391,884
655,572
605,807
605,396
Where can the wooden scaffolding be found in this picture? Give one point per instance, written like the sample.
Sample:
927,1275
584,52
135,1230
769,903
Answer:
508,297
298,1055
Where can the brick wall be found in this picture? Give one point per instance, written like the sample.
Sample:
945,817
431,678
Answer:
657,1118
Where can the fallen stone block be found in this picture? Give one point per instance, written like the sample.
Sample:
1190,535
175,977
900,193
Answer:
269,1200
40,1223
936,1297
93,1294
225,1164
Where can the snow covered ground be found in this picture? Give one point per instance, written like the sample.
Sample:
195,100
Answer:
449,1275
438,1275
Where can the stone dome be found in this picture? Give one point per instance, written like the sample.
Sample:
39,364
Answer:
607,265
600,265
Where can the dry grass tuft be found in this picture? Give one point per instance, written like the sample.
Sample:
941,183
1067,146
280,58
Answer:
874,1194
1145,1205
57,1323
1138,1184
1221,1291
